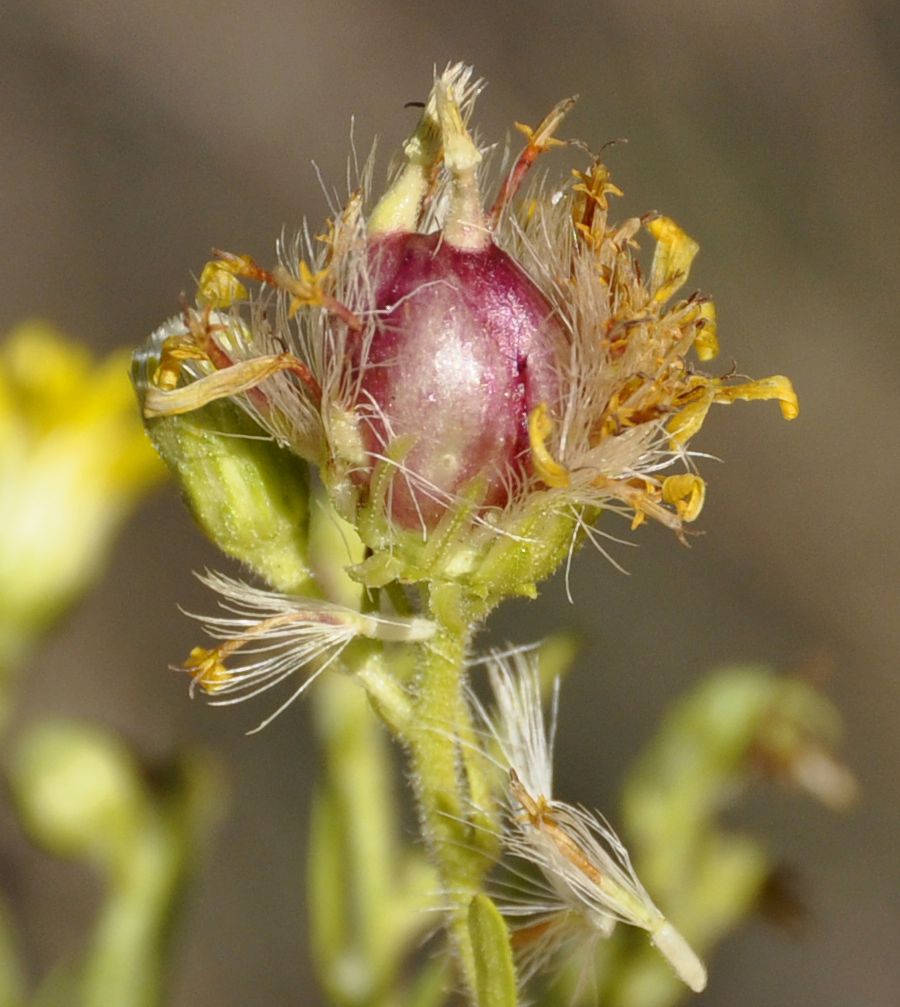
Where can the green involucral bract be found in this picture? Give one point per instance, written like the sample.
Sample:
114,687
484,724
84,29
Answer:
250,496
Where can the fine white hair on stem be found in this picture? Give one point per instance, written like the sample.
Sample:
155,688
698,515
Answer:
590,883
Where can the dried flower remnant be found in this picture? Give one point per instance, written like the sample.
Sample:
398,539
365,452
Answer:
474,385
589,881
275,635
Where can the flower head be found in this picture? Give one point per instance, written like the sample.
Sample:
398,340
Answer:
474,381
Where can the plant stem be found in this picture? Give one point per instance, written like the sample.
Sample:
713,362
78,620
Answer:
125,965
357,854
448,772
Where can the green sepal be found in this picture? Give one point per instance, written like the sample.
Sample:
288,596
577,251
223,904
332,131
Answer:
250,496
495,974
489,563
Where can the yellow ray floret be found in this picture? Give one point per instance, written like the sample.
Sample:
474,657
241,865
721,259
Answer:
596,184
176,351
540,426
306,289
776,387
706,341
593,188
697,401
207,669
686,493
672,259
219,287
541,138
233,380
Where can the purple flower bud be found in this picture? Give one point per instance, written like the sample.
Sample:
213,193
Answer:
466,346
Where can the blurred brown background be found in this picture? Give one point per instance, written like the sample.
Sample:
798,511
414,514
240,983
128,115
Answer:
136,136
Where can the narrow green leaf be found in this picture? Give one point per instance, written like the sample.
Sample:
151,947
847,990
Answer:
494,971
327,913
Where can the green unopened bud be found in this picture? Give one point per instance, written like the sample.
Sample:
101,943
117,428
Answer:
77,790
249,495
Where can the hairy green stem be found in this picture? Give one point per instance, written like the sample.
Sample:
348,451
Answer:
354,834
449,773
434,755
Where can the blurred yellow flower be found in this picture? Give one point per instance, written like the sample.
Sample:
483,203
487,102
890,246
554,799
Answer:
73,462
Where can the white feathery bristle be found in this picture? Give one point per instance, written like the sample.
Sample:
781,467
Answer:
268,637
517,721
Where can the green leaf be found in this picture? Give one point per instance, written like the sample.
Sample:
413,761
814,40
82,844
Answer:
494,970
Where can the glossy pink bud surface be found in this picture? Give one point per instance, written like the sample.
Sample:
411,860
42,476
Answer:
466,347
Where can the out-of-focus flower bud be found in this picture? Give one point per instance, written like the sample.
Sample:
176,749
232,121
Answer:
81,794
77,790
709,748
73,463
